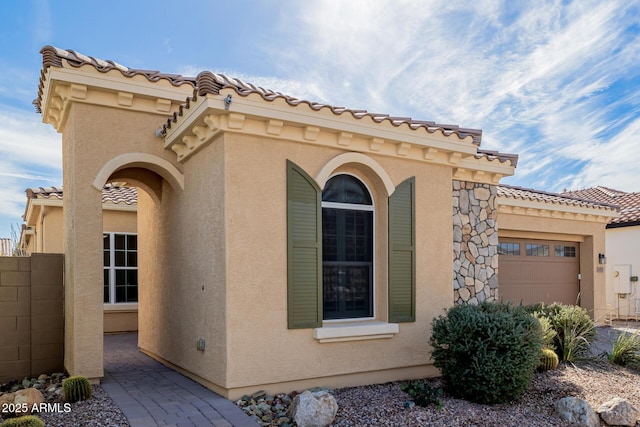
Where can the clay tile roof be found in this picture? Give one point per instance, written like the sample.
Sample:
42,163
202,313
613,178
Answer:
44,193
53,56
512,192
208,82
211,83
629,203
115,194
119,194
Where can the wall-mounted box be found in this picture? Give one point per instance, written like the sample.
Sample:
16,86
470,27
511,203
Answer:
622,278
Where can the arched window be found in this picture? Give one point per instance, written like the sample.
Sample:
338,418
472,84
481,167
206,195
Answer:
347,249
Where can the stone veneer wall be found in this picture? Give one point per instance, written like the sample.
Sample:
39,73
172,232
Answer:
475,243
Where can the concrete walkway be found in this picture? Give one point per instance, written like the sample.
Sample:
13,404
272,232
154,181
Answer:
150,394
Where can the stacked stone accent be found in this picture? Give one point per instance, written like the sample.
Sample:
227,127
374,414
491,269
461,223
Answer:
475,243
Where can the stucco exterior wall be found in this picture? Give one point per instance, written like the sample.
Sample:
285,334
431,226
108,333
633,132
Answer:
590,236
119,221
183,269
92,134
262,351
623,248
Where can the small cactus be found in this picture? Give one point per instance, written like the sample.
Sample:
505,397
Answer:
24,421
76,388
548,360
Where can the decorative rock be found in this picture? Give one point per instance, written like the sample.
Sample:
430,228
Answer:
28,396
258,394
577,411
619,412
313,409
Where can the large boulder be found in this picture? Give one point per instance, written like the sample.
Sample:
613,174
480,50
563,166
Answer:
317,409
619,412
26,398
577,412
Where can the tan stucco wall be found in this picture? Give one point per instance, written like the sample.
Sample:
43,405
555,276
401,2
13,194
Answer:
114,221
91,136
182,270
256,225
183,297
52,235
591,237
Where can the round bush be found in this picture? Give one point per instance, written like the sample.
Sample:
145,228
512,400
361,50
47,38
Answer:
486,353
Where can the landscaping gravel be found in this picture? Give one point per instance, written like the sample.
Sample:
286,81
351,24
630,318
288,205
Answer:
596,381
384,405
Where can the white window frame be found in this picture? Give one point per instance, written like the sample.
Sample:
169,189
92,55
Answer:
112,269
370,208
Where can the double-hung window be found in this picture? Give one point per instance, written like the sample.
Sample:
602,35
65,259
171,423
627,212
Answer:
120,252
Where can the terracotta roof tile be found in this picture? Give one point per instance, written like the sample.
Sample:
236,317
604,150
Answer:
110,194
512,192
629,203
53,56
211,83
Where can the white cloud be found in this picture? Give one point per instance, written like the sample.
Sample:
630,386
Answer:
26,142
537,78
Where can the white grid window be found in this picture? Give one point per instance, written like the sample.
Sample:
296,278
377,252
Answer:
120,268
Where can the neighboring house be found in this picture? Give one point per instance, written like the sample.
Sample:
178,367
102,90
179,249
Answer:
622,255
42,231
284,242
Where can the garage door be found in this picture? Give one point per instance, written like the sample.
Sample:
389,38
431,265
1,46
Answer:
534,271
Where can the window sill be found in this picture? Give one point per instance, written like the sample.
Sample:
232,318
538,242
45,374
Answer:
121,307
355,331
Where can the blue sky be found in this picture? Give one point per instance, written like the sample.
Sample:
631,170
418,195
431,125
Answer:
557,82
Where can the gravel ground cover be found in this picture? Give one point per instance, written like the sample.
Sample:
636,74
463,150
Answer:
596,381
99,411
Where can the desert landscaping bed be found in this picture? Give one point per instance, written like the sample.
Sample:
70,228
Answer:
596,381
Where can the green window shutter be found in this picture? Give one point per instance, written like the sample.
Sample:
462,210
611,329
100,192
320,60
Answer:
304,250
402,253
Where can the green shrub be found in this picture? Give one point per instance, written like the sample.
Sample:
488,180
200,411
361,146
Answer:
487,353
574,330
76,388
625,350
548,360
24,421
423,394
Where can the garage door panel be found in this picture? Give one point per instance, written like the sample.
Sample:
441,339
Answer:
535,279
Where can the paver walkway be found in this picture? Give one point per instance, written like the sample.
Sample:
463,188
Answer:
150,394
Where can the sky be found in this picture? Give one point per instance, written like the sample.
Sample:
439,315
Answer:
556,82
